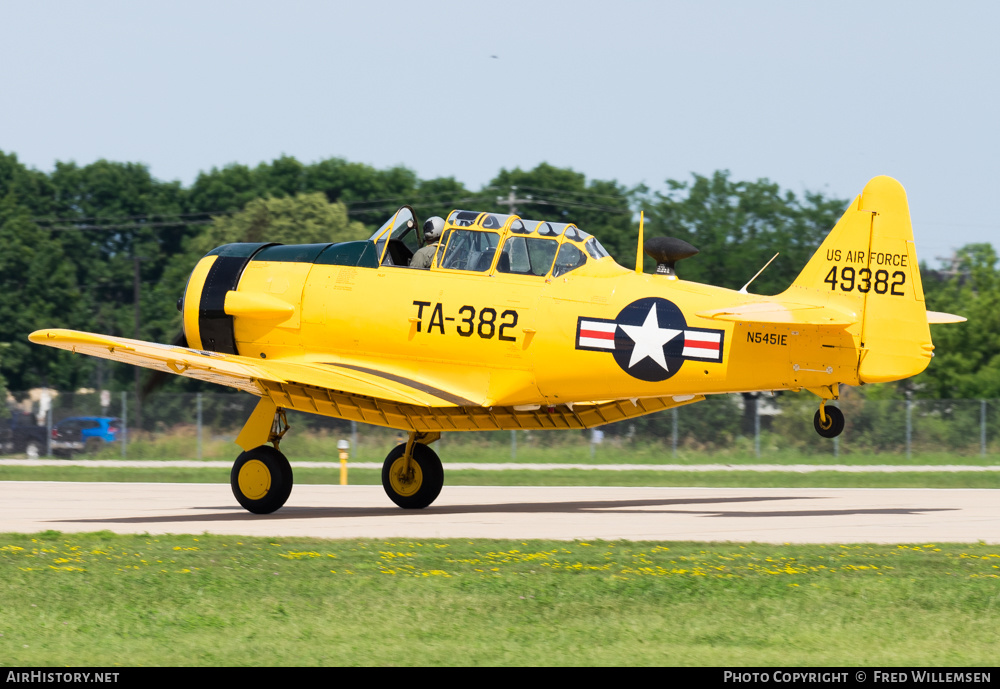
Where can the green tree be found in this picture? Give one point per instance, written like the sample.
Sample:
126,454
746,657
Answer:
223,190
562,195
39,290
966,361
370,195
33,189
113,219
302,219
738,226
439,197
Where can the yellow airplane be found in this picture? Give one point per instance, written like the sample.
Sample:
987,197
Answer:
524,324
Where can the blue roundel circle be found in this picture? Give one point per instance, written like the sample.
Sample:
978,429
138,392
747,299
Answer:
649,339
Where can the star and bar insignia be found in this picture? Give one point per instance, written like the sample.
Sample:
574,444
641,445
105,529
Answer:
650,339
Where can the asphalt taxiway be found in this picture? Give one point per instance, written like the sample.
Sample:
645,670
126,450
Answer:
767,515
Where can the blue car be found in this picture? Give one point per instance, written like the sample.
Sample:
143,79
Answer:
84,434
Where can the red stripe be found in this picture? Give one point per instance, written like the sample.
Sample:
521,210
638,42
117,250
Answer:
597,334
702,344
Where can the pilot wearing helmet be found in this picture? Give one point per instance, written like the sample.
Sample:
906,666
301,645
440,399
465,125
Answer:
432,235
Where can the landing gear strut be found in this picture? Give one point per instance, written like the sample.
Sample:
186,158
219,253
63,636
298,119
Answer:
412,474
261,478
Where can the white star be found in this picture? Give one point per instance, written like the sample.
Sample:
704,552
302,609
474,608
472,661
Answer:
649,339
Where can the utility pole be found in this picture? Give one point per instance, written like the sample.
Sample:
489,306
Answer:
511,200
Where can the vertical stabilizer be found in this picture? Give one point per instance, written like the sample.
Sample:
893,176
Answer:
895,336
868,266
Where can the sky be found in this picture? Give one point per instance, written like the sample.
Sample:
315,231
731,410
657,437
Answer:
813,96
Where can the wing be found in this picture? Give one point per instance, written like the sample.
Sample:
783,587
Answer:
352,391
255,376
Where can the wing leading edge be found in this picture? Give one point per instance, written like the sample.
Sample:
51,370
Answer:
250,375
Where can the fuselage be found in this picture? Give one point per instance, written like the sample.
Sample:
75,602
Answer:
492,338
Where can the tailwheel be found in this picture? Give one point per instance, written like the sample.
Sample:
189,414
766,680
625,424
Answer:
412,483
261,479
832,425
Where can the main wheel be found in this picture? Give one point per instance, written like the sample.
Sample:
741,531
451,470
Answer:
261,479
834,425
417,488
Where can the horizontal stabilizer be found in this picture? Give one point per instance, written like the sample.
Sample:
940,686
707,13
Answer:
782,312
936,317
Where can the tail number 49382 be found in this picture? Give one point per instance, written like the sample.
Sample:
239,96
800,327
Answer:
864,281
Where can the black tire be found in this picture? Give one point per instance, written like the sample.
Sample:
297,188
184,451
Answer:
834,422
422,488
261,479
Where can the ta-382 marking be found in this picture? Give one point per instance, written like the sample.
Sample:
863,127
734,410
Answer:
485,322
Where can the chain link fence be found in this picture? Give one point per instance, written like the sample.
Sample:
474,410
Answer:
723,427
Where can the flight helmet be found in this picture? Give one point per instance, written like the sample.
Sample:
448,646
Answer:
433,228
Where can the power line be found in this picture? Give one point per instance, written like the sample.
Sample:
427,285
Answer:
185,223
128,217
95,223
570,191
575,204
353,208
131,226
418,196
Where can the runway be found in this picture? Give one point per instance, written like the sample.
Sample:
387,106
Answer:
767,515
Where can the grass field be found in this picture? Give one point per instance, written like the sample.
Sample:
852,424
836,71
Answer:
554,447
105,600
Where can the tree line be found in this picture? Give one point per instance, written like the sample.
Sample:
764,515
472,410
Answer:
90,247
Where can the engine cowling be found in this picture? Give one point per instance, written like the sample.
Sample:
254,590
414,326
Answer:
207,326
214,299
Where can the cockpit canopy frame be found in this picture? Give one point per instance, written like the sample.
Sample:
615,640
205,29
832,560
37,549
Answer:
494,243
490,243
